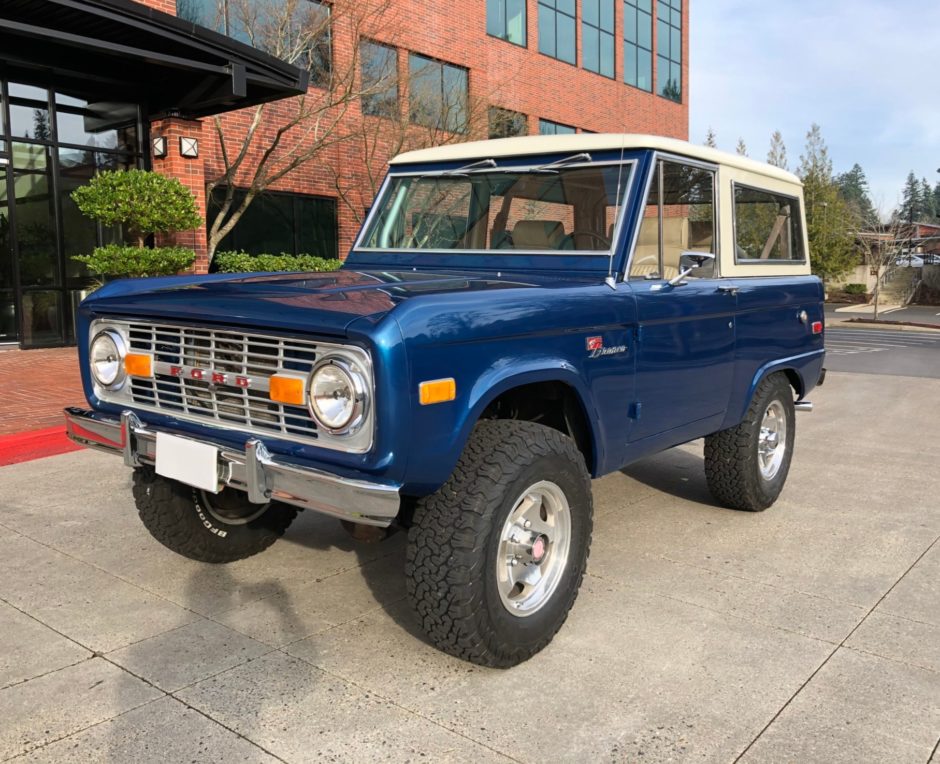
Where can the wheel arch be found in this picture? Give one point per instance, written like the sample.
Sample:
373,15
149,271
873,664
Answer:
523,395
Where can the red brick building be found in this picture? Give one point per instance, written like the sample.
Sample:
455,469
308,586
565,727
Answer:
491,67
538,91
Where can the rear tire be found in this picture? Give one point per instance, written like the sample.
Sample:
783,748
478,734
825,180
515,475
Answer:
497,555
746,466
215,528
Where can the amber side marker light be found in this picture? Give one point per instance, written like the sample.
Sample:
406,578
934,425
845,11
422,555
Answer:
138,365
437,391
288,390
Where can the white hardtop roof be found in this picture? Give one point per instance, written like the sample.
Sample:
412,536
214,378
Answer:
556,144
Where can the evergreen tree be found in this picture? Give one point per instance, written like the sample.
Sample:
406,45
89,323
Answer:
928,203
853,185
712,142
936,198
829,219
777,156
815,161
911,202
741,148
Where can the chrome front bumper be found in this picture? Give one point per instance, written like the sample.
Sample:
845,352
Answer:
253,470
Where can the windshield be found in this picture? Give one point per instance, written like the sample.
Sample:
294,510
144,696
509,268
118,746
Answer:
547,209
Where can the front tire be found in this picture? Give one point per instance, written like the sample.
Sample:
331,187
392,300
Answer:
746,466
215,528
497,555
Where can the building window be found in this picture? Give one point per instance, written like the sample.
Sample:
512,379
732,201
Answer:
638,44
506,19
669,49
597,36
379,79
439,94
557,37
547,127
505,123
276,223
298,32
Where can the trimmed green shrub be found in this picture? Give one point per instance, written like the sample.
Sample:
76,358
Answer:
142,202
242,262
855,289
117,261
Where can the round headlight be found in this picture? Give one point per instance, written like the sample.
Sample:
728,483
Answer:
106,357
337,395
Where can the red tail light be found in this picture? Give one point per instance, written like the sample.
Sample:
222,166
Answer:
817,327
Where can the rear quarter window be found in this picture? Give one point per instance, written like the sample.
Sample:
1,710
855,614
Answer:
767,227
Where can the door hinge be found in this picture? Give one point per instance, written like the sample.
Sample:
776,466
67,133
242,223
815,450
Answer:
635,409
638,333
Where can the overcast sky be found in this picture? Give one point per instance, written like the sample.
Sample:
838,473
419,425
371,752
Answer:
868,72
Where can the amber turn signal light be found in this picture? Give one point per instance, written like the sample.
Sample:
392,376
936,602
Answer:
288,390
437,391
138,365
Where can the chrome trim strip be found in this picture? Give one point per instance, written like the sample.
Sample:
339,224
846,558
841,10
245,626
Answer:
253,470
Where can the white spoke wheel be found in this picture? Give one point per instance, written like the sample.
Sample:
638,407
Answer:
497,555
533,548
746,466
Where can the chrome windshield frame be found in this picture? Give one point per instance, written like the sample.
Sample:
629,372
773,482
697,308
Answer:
611,251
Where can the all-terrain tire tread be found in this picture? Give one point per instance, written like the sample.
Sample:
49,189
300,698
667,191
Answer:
446,552
731,470
166,510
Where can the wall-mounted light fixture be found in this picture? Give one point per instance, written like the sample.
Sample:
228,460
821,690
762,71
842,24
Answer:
159,147
189,148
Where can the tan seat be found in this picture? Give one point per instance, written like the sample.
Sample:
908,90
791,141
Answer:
538,234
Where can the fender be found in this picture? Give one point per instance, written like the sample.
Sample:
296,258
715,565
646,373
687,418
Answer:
802,365
495,382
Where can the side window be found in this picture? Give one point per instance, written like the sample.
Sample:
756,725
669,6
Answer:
766,227
679,217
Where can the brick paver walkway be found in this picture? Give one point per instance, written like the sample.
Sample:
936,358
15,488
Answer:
35,385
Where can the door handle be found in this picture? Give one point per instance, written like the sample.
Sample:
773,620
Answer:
728,289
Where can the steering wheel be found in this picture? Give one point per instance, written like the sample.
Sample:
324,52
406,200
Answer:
603,240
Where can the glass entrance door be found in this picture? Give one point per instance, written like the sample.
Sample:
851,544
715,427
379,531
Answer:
8,322
50,144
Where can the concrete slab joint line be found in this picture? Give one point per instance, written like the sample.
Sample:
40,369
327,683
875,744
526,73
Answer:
839,647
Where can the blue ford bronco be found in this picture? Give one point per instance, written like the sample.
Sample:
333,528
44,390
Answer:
516,317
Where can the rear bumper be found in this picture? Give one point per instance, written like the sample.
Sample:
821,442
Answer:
263,477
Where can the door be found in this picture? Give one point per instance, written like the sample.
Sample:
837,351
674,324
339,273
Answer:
686,331
8,318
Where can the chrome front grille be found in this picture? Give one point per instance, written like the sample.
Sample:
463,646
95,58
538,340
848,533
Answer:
235,369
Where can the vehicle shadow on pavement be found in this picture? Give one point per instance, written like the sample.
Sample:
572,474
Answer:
675,472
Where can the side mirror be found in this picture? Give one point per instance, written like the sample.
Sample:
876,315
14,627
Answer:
690,261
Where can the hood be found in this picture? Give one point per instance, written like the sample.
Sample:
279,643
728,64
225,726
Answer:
322,302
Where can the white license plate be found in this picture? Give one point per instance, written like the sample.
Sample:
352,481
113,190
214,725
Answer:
193,463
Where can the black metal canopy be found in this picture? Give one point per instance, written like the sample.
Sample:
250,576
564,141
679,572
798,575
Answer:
123,50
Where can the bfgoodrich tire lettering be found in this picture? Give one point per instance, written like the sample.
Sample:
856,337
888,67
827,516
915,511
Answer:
454,544
741,471
179,517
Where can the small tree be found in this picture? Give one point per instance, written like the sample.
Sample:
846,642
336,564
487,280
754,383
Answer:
777,155
880,245
143,204
711,140
741,148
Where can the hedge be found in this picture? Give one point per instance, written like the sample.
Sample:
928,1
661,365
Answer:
242,262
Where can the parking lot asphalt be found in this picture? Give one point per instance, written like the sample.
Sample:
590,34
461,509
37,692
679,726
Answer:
875,351
806,633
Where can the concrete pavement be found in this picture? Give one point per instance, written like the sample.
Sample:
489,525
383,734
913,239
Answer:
810,632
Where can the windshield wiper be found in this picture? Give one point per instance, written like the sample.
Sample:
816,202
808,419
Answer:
462,172
551,166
